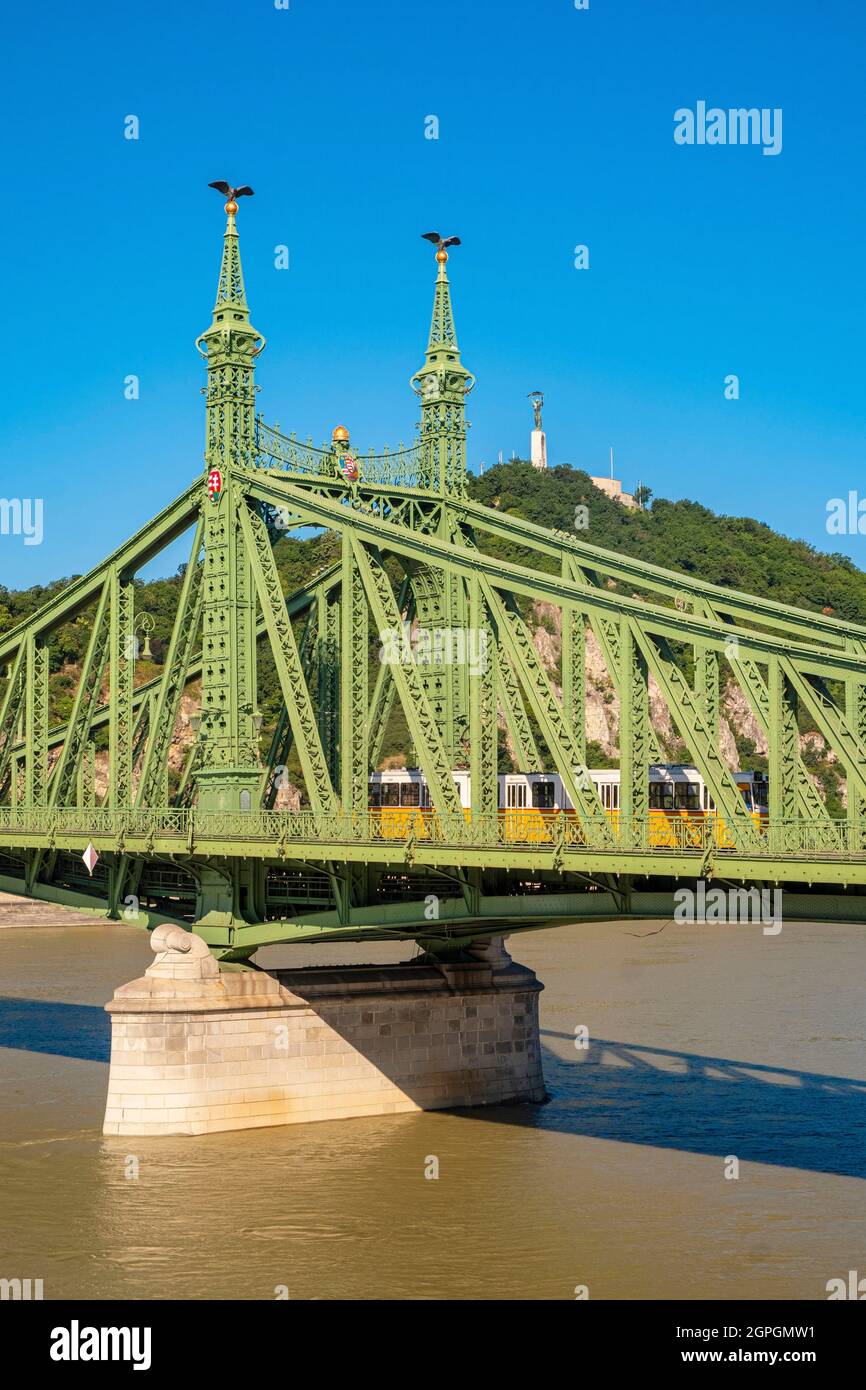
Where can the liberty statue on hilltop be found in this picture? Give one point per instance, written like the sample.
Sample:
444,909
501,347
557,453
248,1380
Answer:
538,451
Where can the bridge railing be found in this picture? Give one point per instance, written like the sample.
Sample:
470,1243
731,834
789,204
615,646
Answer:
408,830
392,468
92,821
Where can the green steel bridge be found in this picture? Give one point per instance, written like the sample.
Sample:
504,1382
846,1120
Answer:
208,847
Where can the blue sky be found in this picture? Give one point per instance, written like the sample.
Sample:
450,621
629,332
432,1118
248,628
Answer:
555,129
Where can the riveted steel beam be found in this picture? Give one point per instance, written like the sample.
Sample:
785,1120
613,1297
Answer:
688,713
121,677
484,786
36,722
520,730
574,673
546,708
290,671
185,634
634,727
64,779
422,723
354,686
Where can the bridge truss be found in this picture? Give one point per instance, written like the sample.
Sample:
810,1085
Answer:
208,846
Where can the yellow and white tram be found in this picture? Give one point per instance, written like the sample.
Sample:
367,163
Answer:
529,801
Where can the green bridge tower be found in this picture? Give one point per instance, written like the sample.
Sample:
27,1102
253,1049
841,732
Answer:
229,772
441,598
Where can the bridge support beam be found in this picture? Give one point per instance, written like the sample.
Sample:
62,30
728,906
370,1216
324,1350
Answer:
197,1049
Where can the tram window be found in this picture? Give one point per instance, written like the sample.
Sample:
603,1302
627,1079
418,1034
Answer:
516,797
614,796
410,794
686,796
425,795
661,796
375,794
390,794
542,796
746,793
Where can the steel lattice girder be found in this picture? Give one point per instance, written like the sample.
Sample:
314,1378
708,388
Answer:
669,583
474,516
516,579
544,705
422,724
297,602
184,637
289,668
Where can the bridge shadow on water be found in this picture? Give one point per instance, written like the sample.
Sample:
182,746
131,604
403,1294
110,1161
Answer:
705,1105
613,1090
62,1030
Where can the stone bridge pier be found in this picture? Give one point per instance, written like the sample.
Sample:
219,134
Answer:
196,1047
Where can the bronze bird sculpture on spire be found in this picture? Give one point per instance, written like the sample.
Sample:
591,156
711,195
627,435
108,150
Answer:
232,193
438,240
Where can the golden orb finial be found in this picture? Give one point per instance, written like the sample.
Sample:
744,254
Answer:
442,257
231,207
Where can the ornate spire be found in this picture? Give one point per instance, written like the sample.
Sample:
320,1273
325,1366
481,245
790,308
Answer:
442,331
443,384
231,346
230,290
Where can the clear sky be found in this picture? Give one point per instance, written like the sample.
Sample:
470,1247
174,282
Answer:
556,129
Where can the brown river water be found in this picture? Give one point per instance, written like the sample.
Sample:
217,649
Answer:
705,1042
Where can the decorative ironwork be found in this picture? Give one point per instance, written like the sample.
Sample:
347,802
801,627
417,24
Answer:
391,468
532,834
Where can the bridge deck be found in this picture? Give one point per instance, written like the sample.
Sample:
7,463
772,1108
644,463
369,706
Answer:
786,851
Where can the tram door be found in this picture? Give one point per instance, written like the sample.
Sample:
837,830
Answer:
515,809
